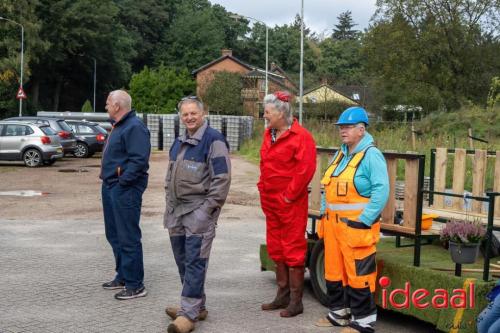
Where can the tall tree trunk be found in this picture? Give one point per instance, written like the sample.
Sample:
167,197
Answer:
35,91
57,94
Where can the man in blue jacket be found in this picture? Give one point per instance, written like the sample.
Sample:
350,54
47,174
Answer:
124,174
196,186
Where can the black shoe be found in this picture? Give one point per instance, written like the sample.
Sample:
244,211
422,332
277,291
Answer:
131,293
114,285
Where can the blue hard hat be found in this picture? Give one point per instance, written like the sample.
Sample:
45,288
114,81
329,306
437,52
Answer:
353,115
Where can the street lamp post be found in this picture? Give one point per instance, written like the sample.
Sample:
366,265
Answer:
22,61
237,16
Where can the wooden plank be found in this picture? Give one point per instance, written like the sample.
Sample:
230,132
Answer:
411,187
390,208
453,214
315,195
459,177
440,176
478,178
496,185
405,230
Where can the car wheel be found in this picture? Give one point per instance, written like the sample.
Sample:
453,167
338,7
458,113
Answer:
81,150
317,272
32,158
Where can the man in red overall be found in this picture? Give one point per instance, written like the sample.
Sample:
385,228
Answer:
287,165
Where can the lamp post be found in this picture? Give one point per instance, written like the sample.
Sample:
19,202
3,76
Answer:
237,17
22,60
301,84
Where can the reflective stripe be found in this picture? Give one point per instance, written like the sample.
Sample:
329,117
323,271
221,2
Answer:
353,206
368,321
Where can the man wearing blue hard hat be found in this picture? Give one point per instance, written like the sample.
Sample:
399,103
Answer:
356,191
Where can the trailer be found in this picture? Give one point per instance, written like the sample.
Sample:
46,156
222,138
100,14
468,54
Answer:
402,217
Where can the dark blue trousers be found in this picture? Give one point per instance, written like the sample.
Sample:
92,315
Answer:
122,211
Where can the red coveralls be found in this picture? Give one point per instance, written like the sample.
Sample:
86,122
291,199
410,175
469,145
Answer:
286,168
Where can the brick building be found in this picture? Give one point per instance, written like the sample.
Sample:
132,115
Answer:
253,79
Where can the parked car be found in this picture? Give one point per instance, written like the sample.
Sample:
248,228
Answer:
34,144
66,136
90,137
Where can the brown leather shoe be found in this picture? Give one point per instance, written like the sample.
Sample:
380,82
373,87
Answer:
171,311
295,307
181,324
283,295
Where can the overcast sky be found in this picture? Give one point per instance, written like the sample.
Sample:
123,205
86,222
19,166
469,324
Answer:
319,14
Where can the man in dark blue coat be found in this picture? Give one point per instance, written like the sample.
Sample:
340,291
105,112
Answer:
124,174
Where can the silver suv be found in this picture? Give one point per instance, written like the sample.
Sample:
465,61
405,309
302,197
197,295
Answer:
34,144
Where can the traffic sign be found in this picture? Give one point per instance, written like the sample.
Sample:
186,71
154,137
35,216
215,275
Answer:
21,94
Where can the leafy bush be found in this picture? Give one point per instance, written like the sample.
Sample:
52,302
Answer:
87,107
157,90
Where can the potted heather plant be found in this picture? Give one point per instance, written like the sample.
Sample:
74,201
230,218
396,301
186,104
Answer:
464,238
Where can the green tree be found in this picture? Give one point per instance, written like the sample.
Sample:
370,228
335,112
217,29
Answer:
194,38
438,53
344,28
223,95
494,94
78,31
146,21
23,12
159,89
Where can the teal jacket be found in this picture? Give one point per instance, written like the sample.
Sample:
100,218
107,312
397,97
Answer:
371,179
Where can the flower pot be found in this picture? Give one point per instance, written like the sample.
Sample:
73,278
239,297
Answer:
464,253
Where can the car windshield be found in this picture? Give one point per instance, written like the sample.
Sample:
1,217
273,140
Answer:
64,126
48,130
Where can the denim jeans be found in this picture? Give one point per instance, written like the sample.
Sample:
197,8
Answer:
122,211
489,319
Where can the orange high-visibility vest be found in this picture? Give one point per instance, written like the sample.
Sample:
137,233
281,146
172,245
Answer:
345,204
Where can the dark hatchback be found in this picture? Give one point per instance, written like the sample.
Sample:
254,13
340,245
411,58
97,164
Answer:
66,137
90,137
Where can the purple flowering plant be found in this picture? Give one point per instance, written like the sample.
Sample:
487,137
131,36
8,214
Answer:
465,232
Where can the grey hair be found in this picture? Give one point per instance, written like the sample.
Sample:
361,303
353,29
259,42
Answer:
122,98
281,106
196,101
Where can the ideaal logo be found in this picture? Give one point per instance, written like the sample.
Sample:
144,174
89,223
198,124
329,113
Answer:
422,298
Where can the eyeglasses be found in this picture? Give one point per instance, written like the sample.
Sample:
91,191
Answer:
190,97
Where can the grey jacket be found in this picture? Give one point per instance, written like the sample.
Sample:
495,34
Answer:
199,173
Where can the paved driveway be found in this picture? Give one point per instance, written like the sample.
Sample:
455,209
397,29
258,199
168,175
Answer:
51,275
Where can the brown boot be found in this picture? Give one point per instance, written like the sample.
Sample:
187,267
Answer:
181,324
296,289
283,295
171,311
